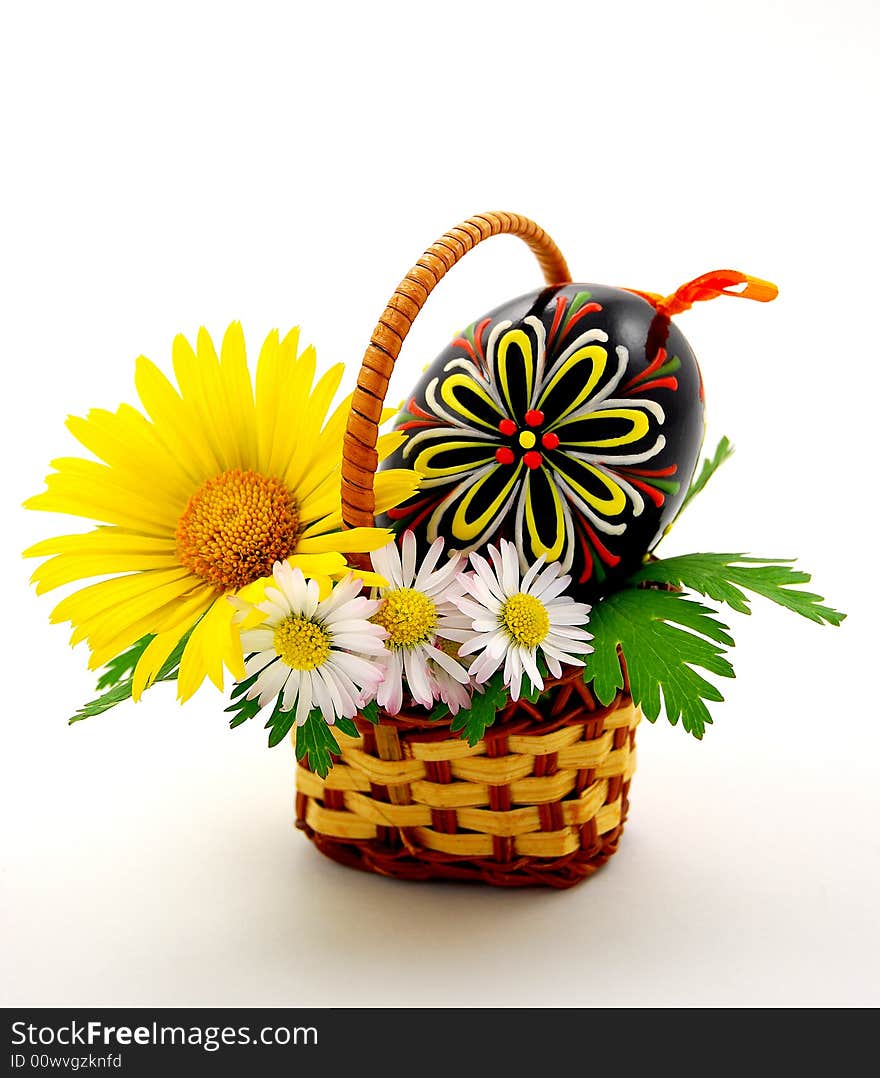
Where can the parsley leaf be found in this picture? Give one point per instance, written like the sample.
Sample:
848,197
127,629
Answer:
665,638
723,576
472,722
122,667
122,691
723,452
315,741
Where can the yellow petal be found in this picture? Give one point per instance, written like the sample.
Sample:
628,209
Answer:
87,489
355,540
106,645
239,395
126,440
306,467
198,375
107,540
268,381
121,591
387,443
393,486
177,423
65,568
293,404
213,642
161,646
323,500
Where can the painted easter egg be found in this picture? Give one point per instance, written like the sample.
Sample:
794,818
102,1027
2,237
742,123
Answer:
568,420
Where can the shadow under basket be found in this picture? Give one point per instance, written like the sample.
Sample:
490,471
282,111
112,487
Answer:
541,799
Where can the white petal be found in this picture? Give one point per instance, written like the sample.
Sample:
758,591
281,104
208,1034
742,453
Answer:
271,682
553,589
390,693
566,615
513,673
450,665
359,643
291,690
531,573
408,558
305,701
531,667
484,667
484,572
343,690
258,662
291,584
552,662
510,568
323,697
416,668
474,643
258,640
548,574
428,563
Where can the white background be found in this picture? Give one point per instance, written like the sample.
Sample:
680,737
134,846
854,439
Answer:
166,166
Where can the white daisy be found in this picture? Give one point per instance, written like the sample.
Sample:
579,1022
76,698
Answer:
314,652
415,608
509,620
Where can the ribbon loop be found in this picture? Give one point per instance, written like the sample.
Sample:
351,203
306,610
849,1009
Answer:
724,282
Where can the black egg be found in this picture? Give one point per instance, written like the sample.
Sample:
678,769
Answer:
568,421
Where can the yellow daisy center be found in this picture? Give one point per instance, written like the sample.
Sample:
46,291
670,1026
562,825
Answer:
525,618
409,617
301,643
235,527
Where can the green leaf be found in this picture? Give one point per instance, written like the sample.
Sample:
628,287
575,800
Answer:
665,638
122,691
347,726
122,667
723,576
280,724
723,452
370,712
315,741
472,722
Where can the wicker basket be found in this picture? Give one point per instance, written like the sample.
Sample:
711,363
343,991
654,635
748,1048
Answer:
543,797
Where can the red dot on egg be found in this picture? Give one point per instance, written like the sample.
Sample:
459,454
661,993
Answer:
534,418
532,460
504,455
550,440
507,426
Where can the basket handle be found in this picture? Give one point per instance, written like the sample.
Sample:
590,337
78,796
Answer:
359,457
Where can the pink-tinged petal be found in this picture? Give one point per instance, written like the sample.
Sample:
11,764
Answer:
484,667
485,574
449,664
417,677
390,693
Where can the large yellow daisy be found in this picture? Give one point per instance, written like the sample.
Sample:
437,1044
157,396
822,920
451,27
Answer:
199,500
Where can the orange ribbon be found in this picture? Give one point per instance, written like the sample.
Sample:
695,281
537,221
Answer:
708,286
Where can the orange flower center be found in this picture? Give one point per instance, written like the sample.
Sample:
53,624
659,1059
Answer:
235,527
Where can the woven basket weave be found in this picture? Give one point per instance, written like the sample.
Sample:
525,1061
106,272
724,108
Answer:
543,797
